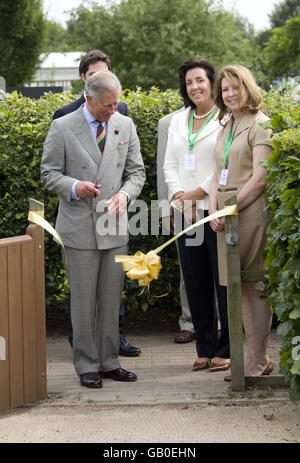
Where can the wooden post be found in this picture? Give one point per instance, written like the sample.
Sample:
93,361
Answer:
4,333
22,317
239,382
234,300
36,206
37,234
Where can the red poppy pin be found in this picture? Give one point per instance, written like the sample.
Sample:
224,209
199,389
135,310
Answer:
116,132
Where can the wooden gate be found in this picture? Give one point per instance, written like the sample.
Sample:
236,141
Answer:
22,319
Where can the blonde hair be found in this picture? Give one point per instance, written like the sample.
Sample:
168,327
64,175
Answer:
246,79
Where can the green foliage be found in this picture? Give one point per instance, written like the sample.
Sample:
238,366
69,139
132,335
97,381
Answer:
147,40
282,51
283,11
24,124
55,38
283,251
21,33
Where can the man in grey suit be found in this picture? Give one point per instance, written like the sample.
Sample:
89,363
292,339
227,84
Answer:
92,159
94,61
187,332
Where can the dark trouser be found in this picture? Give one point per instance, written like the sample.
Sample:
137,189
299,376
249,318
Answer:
200,271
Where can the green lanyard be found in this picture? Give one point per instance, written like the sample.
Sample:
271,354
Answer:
193,140
230,137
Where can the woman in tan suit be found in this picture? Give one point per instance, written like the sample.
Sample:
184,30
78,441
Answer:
241,145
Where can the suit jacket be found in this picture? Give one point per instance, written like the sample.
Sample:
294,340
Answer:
71,153
69,108
177,177
162,188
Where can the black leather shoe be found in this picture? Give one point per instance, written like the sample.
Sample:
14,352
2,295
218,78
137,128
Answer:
119,374
127,350
92,380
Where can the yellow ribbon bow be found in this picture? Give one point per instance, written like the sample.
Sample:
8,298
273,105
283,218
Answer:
146,267
141,267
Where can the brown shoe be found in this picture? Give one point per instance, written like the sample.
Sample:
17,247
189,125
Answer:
267,371
184,336
215,366
201,364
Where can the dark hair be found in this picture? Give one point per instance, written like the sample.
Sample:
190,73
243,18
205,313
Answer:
192,63
93,56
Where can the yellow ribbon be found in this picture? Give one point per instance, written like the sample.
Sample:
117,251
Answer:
141,267
146,267
37,217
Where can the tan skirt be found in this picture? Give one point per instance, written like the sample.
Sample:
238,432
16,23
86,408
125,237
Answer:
253,222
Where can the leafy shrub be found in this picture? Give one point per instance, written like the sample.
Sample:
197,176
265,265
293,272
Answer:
24,124
283,251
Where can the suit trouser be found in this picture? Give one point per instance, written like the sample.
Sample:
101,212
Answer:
200,270
96,284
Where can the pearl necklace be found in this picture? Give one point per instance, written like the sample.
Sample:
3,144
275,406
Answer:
204,115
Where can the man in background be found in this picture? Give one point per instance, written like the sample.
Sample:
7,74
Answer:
187,332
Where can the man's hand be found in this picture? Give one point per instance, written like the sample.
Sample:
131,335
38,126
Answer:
117,203
87,189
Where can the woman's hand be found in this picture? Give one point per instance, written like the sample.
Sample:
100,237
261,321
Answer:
186,200
218,225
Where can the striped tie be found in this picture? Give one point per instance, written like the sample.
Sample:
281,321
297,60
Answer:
100,137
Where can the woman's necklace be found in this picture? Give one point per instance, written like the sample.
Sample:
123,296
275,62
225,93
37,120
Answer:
203,115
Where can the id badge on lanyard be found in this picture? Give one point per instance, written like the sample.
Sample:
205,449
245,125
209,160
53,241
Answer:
190,157
224,172
190,162
223,177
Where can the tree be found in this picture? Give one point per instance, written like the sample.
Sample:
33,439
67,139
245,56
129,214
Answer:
284,11
21,34
147,40
55,38
282,52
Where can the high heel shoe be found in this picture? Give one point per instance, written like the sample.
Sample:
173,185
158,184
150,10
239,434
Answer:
267,371
215,366
201,364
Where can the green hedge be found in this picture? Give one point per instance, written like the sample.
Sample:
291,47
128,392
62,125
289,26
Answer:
283,252
24,124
